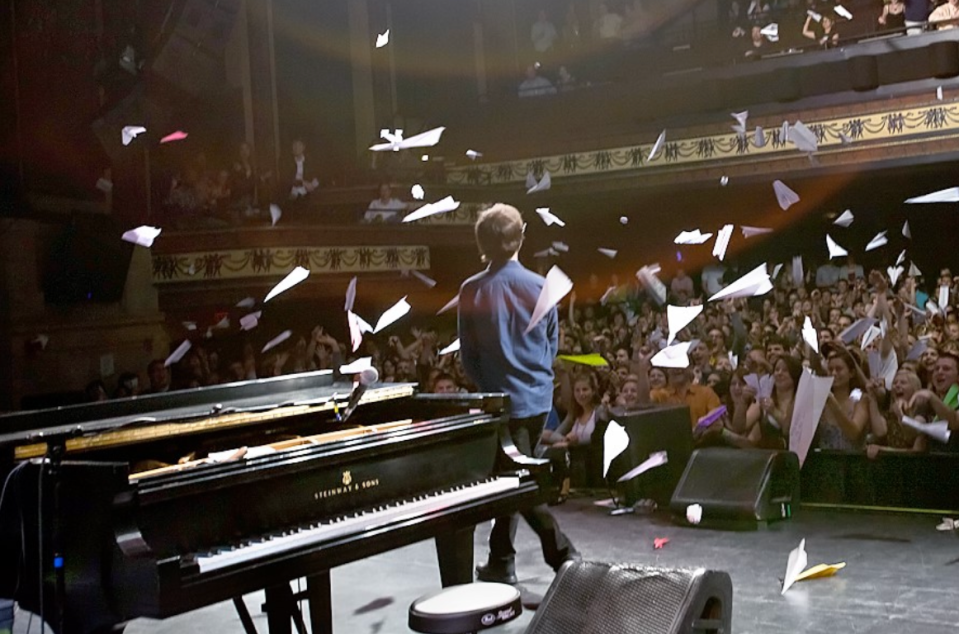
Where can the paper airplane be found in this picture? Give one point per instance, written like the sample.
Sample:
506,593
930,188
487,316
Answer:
105,185
357,327
939,93
815,16
659,542
835,251
648,279
549,218
594,360
784,196
808,404
432,209
794,565
869,336
749,232
610,253
694,513
416,191
857,329
894,273
131,132
473,154
932,308
350,295
752,284
842,11
450,304
797,271
844,139
943,296
938,430
820,571
759,137
179,135
556,287
917,349
763,385
142,236
771,32
845,219
544,183
453,347
392,314
679,317
810,335
711,417
363,363
561,247
914,270
723,180
906,232
251,321
950,195
803,138
275,214
657,146
878,241
656,459
429,281
248,302
223,323
396,142
189,325
382,39
947,524
901,258
293,278
178,354
615,442
546,253
740,118
692,237
722,241
675,356
277,340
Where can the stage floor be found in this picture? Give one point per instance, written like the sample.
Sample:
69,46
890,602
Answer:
902,575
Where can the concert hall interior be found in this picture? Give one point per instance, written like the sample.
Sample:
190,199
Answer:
234,236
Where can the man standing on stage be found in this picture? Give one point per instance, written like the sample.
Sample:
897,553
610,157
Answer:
495,308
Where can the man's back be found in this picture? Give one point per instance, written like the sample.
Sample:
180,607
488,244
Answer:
495,308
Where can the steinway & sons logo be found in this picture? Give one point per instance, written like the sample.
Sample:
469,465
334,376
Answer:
347,485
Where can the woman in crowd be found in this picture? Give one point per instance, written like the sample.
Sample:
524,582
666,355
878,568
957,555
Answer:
574,435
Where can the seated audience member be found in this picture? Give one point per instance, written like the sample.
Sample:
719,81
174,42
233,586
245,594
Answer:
127,385
543,34
159,376
948,10
636,20
609,25
534,85
444,383
900,437
565,80
679,390
893,15
823,32
768,419
385,208
95,391
847,416
574,434
757,46
941,402
301,179
682,287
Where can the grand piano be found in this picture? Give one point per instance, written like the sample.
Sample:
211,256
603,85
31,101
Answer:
162,504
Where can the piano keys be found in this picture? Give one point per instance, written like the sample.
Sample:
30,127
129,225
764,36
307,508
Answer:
275,489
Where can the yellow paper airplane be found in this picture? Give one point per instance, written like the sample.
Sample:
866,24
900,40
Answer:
821,571
595,360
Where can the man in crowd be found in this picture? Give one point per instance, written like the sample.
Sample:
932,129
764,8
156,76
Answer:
498,355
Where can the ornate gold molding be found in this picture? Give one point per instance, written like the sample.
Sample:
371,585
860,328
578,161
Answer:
910,125
264,262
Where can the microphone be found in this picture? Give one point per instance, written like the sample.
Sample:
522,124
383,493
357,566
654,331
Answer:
366,378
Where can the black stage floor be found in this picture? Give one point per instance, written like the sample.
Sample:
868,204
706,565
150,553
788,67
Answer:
902,575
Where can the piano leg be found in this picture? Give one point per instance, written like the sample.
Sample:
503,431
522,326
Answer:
454,549
281,608
320,595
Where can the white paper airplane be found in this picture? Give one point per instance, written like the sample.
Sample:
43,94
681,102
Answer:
815,16
561,247
394,313
450,304
901,258
356,327
557,286
610,253
749,232
906,232
105,185
810,335
879,240
845,219
809,402
894,273
797,271
293,278
473,154
429,281
914,270
142,236
771,32
275,214
938,430
797,559
943,296
803,138
752,284
784,196
763,385
835,251
544,183
857,329
692,237
842,11
178,354
869,336
759,137
657,146
382,39
416,191
939,93
363,363
675,356
679,317
131,132
950,195
453,347
844,139
549,218
189,325
248,302
740,118
722,241
432,209
277,340
656,459
917,349
396,142
250,321
615,442
648,279
350,295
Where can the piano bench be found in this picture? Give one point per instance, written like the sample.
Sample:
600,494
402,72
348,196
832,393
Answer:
465,608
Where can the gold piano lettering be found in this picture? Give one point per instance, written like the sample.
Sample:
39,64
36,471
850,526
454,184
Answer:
352,487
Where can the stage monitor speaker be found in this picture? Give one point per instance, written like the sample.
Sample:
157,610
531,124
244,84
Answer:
748,485
651,429
589,596
192,57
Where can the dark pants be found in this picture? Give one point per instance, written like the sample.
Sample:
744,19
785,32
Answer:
556,546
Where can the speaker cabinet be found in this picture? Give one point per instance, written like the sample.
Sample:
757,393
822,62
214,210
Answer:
589,596
747,485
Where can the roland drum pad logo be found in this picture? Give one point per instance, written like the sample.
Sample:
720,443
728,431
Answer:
490,618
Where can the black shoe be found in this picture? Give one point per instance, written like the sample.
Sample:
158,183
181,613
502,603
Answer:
495,574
